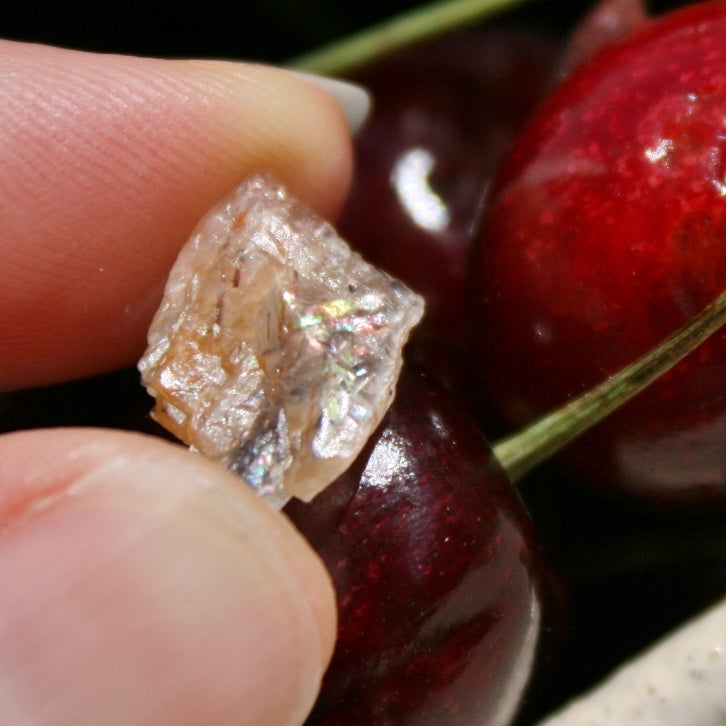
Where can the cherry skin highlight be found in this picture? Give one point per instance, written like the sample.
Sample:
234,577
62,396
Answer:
443,115
607,231
432,556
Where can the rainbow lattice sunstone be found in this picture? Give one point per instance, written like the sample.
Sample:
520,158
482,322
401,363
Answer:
276,349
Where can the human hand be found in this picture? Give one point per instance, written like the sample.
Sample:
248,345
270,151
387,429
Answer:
138,583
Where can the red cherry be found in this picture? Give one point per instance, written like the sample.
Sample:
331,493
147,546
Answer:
443,114
606,232
432,557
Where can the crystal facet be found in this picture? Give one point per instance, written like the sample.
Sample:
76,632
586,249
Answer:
276,349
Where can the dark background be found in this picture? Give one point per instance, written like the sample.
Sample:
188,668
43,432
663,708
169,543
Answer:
269,30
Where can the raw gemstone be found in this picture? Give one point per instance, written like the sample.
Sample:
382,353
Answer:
276,349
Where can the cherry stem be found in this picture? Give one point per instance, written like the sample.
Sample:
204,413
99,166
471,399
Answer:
524,450
413,26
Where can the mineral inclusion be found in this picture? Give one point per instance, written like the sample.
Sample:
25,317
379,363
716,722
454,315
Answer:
276,349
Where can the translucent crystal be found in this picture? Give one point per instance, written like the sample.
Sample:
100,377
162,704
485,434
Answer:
276,349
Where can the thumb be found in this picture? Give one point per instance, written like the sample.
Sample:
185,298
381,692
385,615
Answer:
142,585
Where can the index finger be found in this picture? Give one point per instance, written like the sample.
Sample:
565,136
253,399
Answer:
108,162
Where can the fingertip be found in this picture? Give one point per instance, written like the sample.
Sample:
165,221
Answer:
270,118
354,100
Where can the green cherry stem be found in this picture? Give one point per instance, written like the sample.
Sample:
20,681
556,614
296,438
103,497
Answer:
524,450
413,26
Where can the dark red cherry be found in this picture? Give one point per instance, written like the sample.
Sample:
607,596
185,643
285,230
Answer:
432,557
443,114
606,231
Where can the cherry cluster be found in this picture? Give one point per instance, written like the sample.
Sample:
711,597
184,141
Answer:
550,258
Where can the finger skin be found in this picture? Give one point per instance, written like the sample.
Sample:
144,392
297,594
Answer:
143,585
108,163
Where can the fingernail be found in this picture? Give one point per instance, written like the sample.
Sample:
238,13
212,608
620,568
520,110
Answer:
149,593
354,99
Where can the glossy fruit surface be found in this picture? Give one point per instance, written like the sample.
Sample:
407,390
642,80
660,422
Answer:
442,116
607,230
431,553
